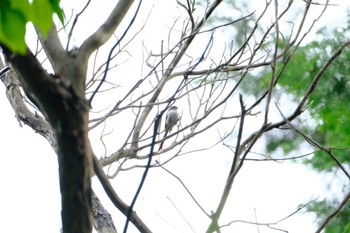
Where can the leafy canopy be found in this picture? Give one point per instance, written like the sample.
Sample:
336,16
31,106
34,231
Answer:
15,14
328,122
329,104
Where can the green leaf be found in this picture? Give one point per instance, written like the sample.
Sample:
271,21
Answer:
14,14
24,7
13,30
57,9
42,15
43,10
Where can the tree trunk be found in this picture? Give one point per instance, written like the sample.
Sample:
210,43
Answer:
68,113
74,169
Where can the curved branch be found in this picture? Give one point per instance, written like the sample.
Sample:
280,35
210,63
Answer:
107,28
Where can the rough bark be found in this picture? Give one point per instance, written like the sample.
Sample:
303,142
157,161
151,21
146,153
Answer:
61,99
68,115
102,219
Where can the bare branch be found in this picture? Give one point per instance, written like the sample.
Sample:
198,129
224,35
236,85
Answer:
270,224
187,190
333,213
75,22
313,143
107,28
125,209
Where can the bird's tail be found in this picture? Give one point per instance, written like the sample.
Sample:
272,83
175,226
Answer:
161,144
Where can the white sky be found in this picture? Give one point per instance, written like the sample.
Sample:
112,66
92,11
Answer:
30,198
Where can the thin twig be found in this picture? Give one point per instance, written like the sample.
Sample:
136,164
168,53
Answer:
111,52
183,185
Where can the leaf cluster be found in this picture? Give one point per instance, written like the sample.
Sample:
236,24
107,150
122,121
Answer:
15,14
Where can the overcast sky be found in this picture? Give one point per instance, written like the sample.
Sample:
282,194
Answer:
267,192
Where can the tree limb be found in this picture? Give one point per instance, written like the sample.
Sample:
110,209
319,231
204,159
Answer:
107,28
116,199
333,213
54,49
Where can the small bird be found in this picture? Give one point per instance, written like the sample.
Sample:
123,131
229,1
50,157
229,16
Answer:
171,119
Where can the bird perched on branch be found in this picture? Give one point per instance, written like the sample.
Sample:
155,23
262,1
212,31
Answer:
171,120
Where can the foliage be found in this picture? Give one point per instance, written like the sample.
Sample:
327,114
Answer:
328,123
340,224
15,14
